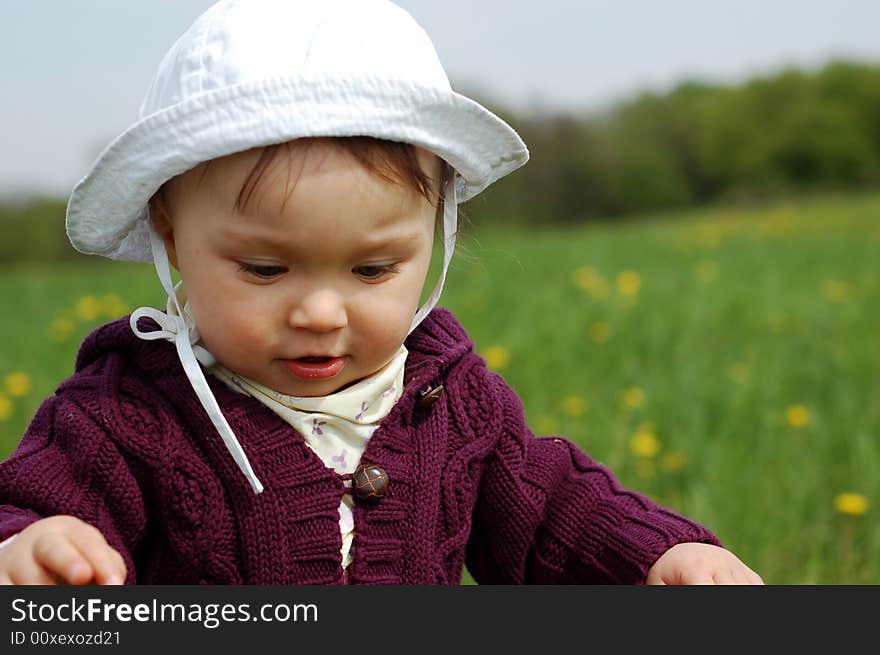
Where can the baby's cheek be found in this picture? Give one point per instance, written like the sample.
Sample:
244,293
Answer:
235,337
387,324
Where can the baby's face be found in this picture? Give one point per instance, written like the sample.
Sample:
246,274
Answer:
309,292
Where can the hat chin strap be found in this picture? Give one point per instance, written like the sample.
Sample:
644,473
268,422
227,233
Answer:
178,328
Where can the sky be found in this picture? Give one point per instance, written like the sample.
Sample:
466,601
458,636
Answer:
73,72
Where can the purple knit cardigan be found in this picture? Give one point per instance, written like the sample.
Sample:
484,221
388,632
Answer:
125,445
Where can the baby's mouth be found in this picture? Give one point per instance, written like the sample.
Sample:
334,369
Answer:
315,367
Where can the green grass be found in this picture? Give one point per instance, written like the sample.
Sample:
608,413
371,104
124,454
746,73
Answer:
733,318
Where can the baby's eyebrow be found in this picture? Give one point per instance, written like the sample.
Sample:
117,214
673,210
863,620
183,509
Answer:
251,238
394,238
378,242
371,243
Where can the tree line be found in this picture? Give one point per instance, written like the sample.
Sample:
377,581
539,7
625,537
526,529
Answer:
788,133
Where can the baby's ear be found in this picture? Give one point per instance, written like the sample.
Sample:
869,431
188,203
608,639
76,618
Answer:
161,219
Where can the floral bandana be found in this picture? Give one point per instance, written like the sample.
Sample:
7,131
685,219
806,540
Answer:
338,426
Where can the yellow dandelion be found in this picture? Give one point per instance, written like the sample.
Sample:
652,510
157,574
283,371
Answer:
645,468
17,383
61,329
797,416
633,398
574,405
739,372
707,271
588,279
546,425
644,443
5,407
835,290
112,306
673,462
497,357
629,283
600,332
852,504
584,277
88,308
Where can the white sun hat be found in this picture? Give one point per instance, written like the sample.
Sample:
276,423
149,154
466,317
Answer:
250,73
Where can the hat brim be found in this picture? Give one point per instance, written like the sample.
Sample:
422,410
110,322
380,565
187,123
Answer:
106,213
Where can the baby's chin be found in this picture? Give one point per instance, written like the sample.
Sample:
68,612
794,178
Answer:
317,390
345,385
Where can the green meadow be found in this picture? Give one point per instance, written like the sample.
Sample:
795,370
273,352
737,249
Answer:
723,362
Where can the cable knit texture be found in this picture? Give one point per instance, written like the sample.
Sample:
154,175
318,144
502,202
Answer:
125,445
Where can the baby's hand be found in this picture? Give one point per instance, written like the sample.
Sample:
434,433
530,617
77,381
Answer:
60,550
693,564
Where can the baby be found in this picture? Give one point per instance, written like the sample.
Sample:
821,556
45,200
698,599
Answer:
295,416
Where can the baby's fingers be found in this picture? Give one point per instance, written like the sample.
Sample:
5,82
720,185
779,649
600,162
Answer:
107,565
32,574
58,556
739,576
77,553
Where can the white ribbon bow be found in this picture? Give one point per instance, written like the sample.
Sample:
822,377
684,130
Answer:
179,328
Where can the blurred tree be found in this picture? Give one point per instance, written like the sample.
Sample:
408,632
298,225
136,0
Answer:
794,131
33,231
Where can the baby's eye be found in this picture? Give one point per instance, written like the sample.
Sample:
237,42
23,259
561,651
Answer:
374,272
263,271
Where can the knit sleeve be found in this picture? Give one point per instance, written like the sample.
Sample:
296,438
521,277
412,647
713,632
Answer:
67,464
547,513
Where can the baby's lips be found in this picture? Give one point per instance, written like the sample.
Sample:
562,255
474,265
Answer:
315,370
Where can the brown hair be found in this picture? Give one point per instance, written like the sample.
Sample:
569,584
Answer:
391,161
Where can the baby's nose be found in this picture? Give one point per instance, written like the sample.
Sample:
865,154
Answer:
321,310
